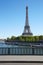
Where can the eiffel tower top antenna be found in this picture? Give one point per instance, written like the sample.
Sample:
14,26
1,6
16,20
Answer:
27,21
26,2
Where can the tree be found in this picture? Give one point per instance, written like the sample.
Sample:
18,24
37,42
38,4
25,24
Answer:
36,38
40,37
13,38
8,39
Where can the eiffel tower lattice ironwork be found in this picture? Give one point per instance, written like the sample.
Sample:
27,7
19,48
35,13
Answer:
27,30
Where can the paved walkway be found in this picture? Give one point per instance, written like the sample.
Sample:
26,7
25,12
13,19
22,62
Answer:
21,63
20,58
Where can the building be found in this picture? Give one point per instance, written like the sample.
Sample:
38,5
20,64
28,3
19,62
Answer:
27,30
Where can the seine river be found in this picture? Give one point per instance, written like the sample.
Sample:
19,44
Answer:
4,45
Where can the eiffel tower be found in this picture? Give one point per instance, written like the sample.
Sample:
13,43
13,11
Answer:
27,30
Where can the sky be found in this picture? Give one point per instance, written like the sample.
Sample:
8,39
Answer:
13,16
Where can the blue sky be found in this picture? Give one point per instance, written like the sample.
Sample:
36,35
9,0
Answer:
13,13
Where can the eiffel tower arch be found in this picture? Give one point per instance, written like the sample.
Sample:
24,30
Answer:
27,30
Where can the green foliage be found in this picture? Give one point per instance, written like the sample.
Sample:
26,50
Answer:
8,39
36,38
13,38
26,38
40,37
